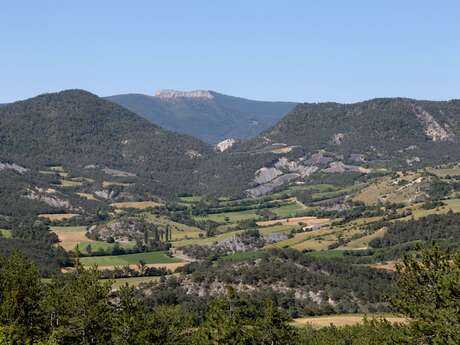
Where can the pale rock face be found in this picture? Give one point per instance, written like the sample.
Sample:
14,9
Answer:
433,129
51,200
192,154
337,139
225,144
264,175
12,166
172,94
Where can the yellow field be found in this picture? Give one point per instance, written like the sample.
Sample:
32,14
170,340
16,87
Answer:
133,281
387,266
388,189
295,220
70,236
87,196
58,216
169,266
362,243
70,183
344,320
445,171
140,205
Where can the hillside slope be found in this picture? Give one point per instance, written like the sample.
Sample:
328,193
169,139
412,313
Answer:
207,115
77,129
359,138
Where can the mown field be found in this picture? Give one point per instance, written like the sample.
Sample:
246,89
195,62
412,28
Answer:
5,233
133,281
71,236
344,320
129,259
140,205
289,210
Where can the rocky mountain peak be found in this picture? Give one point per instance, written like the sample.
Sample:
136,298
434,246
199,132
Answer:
172,94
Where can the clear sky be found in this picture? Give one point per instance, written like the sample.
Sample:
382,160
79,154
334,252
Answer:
341,50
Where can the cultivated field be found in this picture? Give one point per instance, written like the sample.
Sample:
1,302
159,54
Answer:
295,220
71,236
58,216
129,259
133,281
5,233
140,205
344,320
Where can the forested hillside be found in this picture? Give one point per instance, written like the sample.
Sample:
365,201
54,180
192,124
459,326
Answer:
389,129
79,130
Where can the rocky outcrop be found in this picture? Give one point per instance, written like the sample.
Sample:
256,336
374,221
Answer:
12,166
49,197
171,94
265,175
433,129
225,145
120,230
340,167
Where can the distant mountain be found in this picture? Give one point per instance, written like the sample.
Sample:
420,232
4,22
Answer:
77,129
207,115
100,140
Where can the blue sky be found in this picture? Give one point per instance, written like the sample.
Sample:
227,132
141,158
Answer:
311,51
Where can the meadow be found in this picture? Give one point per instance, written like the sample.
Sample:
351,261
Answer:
129,259
71,236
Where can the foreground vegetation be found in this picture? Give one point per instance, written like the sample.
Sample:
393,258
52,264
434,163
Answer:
77,308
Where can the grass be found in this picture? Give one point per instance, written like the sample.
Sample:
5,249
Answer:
207,240
343,320
133,281
140,205
179,231
5,233
233,217
87,196
58,216
129,259
70,183
71,236
363,242
190,199
445,171
326,254
289,210
276,229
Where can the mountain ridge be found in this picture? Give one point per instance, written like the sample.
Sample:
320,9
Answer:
205,114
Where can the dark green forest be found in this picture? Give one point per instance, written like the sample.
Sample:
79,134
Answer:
78,308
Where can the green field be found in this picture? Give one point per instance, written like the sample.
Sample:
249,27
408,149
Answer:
179,231
284,211
289,210
133,281
233,217
445,171
129,259
326,254
5,233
